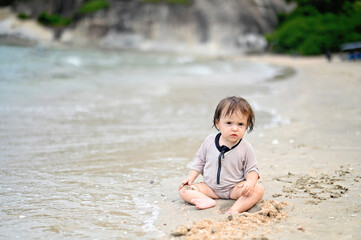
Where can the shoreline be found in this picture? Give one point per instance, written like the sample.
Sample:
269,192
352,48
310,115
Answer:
313,162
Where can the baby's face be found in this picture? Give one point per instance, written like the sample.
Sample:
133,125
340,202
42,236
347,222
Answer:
232,127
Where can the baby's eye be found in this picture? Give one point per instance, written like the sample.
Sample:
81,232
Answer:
241,124
228,123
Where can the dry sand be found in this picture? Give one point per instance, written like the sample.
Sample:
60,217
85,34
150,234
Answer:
313,163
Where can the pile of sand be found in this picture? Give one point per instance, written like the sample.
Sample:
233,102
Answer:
236,225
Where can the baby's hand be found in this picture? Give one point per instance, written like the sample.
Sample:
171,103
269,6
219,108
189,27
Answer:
246,188
187,181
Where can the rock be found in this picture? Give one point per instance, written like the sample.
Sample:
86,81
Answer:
253,43
181,231
201,25
301,228
27,31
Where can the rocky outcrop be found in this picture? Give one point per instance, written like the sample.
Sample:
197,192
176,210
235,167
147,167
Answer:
16,31
209,25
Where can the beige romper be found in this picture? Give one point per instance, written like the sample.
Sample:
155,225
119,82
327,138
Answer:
222,168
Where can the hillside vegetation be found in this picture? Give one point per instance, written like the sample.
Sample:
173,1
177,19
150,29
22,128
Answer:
317,26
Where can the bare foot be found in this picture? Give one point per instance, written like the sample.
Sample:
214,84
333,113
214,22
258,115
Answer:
203,203
230,211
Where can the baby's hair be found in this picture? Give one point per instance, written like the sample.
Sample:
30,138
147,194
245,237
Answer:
233,104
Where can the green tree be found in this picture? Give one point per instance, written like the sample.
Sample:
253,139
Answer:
313,28
93,6
53,20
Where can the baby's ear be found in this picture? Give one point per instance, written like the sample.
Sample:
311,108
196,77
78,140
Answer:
249,128
217,125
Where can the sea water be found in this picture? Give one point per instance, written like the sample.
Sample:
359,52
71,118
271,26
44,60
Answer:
86,135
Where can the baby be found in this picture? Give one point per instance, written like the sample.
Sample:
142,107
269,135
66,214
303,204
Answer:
226,161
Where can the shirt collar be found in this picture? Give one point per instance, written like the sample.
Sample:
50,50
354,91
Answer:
223,149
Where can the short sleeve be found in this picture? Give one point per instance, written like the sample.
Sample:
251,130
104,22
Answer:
201,157
250,162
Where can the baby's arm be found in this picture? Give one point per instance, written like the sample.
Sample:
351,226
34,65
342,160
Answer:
248,185
193,174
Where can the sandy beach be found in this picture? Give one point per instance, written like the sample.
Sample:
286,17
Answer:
312,162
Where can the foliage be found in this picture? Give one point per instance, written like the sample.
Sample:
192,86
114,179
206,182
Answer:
313,29
169,1
93,6
53,20
23,16
324,6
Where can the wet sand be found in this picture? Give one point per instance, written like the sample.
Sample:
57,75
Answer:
313,163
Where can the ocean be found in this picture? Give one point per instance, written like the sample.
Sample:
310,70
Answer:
87,135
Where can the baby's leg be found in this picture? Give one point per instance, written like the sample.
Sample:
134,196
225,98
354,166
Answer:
245,203
199,194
